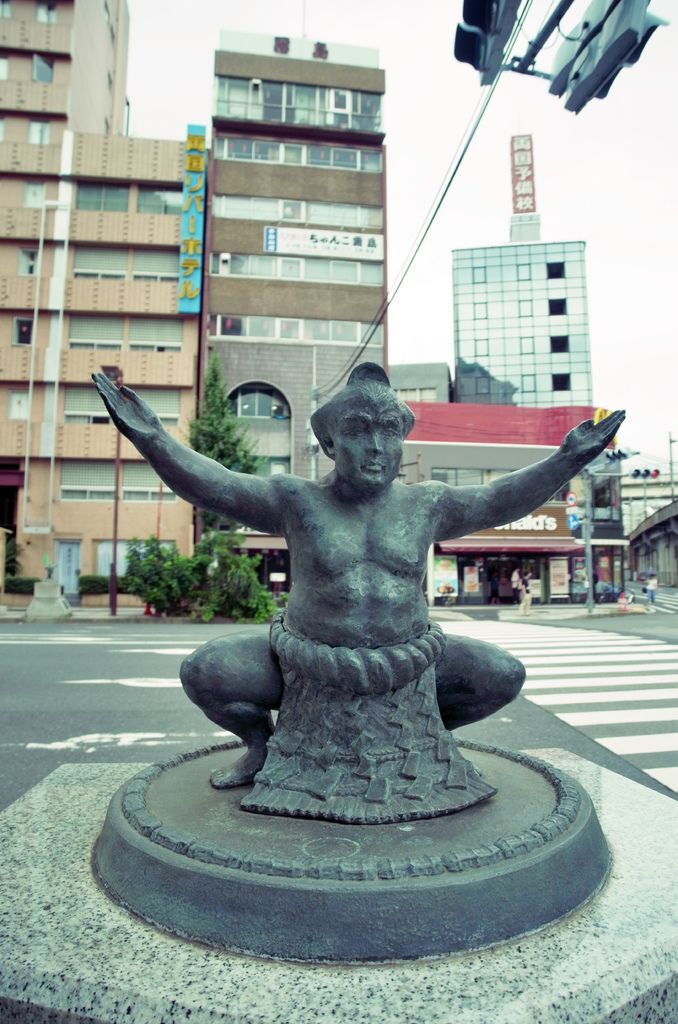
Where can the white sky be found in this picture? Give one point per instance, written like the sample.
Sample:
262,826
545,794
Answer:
608,176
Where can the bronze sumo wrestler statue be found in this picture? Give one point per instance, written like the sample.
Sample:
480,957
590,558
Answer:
368,691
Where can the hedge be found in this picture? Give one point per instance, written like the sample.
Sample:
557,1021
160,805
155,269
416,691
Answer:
93,584
20,584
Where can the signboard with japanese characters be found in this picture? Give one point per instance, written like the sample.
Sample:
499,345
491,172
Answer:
522,174
324,242
192,220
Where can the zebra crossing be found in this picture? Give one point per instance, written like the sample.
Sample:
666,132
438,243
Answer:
666,599
620,690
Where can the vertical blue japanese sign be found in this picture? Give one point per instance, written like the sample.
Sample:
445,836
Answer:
192,220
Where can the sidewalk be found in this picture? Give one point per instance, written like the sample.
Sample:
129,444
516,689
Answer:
539,613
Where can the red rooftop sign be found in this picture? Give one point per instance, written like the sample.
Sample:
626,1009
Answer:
522,174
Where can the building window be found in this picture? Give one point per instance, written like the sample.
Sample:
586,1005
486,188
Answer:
109,198
458,477
560,343
99,263
4,69
268,208
480,311
155,334
2,129
95,332
526,345
259,401
23,331
557,307
83,405
34,194
153,200
38,132
524,271
5,8
479,275
45,11
28,259
341,158
43,69
561,381
155,264
298,268
141,483
272,328
525,307
528,382
555,271
18,405
252,99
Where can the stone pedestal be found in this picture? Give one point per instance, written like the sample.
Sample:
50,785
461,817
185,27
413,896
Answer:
69,955
48,602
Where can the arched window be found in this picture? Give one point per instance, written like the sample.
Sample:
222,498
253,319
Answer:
259,401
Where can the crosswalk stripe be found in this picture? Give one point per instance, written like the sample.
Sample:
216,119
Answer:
623,716
606,697
574,683
649,743
667,776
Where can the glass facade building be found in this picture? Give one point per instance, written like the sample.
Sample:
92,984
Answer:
521,325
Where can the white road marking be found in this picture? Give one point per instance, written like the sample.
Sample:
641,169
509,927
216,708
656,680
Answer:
625,716
134,681
607,697
667,776
649,743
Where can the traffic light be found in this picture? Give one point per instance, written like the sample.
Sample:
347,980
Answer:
644,474
616,454
611,36
483,34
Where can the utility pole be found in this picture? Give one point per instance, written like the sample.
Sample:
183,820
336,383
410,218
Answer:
672,441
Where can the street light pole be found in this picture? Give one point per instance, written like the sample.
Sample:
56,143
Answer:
114,373
672,441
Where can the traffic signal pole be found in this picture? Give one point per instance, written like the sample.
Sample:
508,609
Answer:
587,533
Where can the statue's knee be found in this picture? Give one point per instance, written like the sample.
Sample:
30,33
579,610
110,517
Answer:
513,677
195,678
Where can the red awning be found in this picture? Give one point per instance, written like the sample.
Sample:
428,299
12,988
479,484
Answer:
535,545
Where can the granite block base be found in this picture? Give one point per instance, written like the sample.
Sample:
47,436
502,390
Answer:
68,955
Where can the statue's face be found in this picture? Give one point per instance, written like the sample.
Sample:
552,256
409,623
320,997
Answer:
367,442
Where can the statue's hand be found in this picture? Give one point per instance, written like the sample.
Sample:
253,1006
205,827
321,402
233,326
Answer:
588,439
131,415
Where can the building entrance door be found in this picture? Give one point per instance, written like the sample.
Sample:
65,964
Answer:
68,567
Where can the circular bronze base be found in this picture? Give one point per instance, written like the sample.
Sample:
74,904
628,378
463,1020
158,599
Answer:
187,858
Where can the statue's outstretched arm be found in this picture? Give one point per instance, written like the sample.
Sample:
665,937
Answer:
463,510
199,480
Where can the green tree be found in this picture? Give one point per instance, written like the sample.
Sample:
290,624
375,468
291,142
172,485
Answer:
229,584
216,431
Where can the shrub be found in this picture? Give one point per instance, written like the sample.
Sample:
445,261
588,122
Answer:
20,584
93,584
160,576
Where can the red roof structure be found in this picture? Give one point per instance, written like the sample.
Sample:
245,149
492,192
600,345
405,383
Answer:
466,423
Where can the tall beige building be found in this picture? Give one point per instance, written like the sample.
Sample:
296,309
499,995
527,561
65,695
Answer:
89,268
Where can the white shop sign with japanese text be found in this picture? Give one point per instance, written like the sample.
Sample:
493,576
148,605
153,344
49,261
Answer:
351,245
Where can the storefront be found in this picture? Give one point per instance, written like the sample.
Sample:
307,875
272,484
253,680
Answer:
477,569
274,567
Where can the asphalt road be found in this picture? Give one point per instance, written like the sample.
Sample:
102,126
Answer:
84,692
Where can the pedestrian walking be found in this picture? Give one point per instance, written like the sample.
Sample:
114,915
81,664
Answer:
526,596
515,585
650,588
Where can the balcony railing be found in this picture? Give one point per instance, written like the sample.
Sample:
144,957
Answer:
253,110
